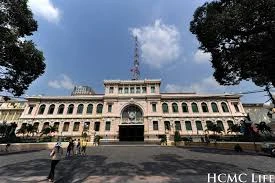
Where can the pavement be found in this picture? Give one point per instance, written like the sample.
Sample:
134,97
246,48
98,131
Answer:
137,164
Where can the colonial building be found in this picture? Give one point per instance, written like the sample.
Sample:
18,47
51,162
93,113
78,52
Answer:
11,110
132,110
257,112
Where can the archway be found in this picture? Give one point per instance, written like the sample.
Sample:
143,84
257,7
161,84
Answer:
131,127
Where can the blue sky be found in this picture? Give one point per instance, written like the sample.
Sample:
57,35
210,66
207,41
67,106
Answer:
85,42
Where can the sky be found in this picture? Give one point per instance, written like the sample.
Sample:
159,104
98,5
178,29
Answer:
85,42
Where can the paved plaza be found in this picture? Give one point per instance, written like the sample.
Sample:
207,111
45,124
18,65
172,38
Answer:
134,164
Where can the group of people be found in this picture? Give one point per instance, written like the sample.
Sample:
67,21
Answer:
76,147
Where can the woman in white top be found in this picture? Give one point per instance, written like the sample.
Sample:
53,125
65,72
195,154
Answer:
56,156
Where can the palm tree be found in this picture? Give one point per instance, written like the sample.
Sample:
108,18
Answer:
22,130
45,131
235,128
31,129
214,128
49,129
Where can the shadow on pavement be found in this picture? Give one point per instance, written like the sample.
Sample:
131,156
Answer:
18,152
220,151
168,167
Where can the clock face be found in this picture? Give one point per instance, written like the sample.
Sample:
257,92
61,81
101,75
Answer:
132,115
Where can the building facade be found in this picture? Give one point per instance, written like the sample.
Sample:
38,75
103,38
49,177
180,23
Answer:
257,112
10,111
132,110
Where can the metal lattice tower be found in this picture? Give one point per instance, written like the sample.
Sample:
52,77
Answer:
135,69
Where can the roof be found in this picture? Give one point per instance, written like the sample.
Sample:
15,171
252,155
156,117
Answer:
253,104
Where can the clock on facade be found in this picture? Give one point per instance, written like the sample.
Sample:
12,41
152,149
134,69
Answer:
132,115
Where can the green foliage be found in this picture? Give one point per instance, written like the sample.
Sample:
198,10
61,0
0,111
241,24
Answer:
22,130
214,128
31,129
235,128
263,128
7,132
46,131
20,61
240,37
177,137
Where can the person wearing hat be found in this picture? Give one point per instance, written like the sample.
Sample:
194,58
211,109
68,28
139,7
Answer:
56,156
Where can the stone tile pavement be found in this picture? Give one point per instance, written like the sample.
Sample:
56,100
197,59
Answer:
134,164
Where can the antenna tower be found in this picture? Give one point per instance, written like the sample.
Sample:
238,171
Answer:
135,69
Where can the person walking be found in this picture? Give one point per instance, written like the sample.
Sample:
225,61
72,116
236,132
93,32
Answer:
83,146
74,147
78,148
56,156
69,148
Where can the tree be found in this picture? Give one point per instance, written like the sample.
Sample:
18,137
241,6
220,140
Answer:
22,130
235,128
50,129
263,128
7,131
31,129
177,137
20,61
216,129
240,35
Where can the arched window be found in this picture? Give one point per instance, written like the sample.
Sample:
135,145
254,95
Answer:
35,126
99,108
42,109
188,125
66,126
90,109
224,107
194,107
230,123
86,126
214,107
204,107
51,109
175,107
165,108
209,124
76,126
80,109
184,107
199,125
177,126
56,126
46,125
60,109
220,124
70,109
167,125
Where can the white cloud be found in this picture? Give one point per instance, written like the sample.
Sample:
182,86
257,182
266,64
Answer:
45,9
159,43
64,82
206,85
201,57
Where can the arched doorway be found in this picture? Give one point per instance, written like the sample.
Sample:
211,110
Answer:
131,127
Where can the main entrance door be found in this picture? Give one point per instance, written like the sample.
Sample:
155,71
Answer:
131,133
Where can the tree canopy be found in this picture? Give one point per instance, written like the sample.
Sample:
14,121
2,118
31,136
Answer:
240,35
20,61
